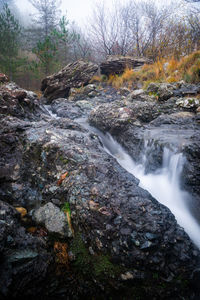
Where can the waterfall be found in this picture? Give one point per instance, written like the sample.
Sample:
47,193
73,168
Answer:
163,184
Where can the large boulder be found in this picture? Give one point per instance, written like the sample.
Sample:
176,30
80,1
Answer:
117,64
17,102
76,74
124,243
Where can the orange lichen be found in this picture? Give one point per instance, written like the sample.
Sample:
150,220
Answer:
22,211
62,257
62,177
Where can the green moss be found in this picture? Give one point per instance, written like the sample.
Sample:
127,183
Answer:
66,208
82,261
153,94
92,265
103,266
63,159
104,78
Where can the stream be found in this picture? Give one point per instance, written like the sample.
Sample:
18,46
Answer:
163,185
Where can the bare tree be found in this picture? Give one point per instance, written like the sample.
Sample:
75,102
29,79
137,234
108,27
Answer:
80,47
109,31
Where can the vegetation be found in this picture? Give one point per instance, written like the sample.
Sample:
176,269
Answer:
170,70
138,28
97,265
9,42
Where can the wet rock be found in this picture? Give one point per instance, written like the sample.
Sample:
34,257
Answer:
65,109
53,218
117,64
166,120
114,220
165,91
24,260
153,87
3,78
18,102
186,89
88,91
188,102
75,75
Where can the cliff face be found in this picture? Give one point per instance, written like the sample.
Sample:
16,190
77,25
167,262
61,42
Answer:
87,226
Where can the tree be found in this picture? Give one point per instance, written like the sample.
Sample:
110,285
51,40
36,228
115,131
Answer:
46,52
79,45
9,42
109,30
3,2
47,16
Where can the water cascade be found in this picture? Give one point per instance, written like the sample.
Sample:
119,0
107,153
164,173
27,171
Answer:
163,184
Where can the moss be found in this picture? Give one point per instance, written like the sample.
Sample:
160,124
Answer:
103,266
64,160
92,265
66,208
153,94
82,261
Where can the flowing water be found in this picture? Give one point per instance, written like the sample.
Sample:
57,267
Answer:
163,184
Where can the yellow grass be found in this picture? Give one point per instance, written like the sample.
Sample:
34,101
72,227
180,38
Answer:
163,70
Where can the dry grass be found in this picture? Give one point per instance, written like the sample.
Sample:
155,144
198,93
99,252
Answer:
164,70
38,93
95,79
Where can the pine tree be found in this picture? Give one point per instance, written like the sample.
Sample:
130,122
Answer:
46,51
47,16
9,42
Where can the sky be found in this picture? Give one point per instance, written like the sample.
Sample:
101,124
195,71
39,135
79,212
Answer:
77,10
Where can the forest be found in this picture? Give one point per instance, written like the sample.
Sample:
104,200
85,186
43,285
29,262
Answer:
31,51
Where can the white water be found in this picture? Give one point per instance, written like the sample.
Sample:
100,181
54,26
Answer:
163,185
49,111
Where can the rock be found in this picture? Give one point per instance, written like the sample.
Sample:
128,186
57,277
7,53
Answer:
53,218
153,87
82,93
18,102
136,93
166,120
163,91
186,89
117,64
103,117
124,91
74,75
64,109
140,95
122,235
3,78
24,261
188,102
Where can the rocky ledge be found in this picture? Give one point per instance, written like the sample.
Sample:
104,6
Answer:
116,64
74,223
74,75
